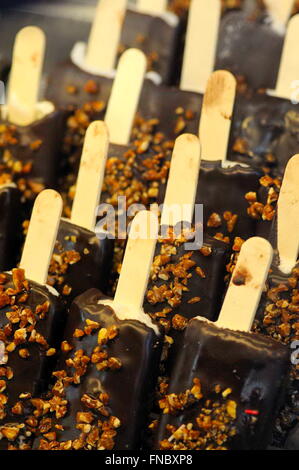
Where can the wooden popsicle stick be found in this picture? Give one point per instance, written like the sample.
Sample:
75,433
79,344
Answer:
107,26
201,43
152,6
279,10
125,96
289,65
25,75
246,286
288,217
91,175
138,260
41,237
216,115
182,182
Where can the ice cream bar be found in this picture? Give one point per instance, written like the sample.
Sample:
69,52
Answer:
277,315
31,326
265,126
227,384
82,260
10,226
31,131
110,354
184,281
88,75
225,211
251,43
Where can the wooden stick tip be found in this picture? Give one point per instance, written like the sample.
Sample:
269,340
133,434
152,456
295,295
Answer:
135,55
97,128
33,33
47,198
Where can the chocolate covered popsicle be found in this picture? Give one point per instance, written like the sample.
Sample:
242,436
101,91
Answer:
277,315
226,211
31,326
31,131
110,355
188,272
228,383
81,259
88,75
264,130
251,42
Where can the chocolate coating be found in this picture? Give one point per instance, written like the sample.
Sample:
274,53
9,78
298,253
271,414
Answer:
10,227
250,48
33,374
45,158
130,388
267,127
216,194
93,269
253,366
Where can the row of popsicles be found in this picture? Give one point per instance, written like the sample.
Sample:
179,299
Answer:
103,389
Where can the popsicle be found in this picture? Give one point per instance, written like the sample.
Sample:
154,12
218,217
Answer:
88,75
31,326
228,383
251,42
184,281
110,354
31,131
226,212
82,260
265,126
119,115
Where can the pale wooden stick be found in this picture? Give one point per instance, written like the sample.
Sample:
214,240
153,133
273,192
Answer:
91,175
201,44
289,65
125,96
216,115
182,182
247,284
137,262
25,75
288,217
105,34
41,237
280,10
155,7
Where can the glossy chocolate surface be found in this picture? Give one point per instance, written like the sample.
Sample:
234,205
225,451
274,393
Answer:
250,48
253,366
93,268
10,227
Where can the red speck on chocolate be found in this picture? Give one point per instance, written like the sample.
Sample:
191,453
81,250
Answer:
252,412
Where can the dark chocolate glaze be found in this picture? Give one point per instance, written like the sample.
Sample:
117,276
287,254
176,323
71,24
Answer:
253,366
159,38
250,48
224,189
267,126
46,158
159,102
10,227
32,375
93,269
130,388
